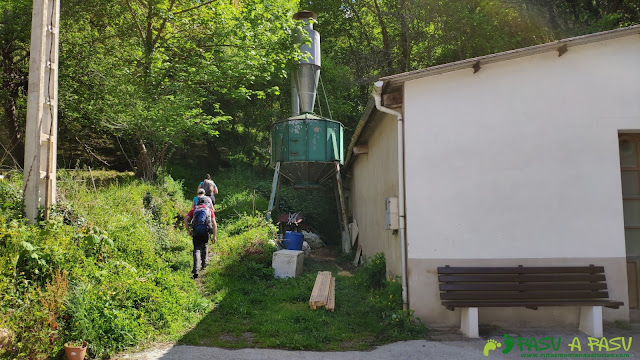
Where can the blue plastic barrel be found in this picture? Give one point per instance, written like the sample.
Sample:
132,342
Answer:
293,240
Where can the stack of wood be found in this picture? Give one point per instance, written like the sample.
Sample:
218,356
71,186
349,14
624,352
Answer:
324,292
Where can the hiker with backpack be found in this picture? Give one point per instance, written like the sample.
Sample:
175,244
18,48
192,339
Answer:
200,222
210,188
201,195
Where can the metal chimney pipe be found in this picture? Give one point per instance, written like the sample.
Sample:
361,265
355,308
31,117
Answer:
295,99
307,72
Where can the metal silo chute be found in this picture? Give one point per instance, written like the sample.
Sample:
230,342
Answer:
307,149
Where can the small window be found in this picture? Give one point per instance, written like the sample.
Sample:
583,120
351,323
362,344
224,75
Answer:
628,153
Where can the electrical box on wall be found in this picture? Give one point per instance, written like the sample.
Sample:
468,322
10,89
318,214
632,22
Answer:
392,220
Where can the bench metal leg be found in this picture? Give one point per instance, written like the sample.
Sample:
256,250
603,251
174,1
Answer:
591,320
469,322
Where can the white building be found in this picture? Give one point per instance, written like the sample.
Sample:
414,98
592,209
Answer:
526,157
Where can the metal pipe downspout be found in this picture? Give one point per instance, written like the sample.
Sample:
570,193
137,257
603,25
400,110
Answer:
377,95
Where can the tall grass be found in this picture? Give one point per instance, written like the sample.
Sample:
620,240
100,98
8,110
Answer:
112,267
116,251
255,310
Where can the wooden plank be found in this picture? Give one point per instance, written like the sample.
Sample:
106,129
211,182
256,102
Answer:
346,242
605,303
522,278
354,231
356,261
521,270
505,295
529,287
331,301
320,293
522,287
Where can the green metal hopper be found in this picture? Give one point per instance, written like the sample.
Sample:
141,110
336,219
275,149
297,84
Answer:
307,147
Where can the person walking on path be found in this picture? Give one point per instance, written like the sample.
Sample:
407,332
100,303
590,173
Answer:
210,188
200,222
201,195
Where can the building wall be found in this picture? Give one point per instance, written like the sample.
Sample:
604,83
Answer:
519,164
374,178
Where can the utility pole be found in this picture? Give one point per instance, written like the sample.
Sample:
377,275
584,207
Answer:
42,110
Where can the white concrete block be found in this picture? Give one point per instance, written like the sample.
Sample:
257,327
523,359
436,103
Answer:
591,320
287,263
469,322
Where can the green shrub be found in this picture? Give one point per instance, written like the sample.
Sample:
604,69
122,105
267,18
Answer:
11,198
386,299
125,265
374,271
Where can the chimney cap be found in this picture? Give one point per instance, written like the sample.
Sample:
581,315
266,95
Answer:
305,14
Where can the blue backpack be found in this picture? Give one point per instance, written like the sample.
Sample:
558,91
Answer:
201,222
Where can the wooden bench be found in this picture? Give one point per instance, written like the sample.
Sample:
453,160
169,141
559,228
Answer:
469,288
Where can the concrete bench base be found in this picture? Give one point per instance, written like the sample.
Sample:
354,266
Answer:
469,322
590,321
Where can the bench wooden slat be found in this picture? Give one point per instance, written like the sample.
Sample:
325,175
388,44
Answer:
470,288
505,295
521,270
521,278
522,287
608,304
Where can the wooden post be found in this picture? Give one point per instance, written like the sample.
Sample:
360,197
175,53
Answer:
92,180
42,110
337,196
274,189
346,238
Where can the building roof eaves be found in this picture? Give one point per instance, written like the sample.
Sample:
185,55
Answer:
356,133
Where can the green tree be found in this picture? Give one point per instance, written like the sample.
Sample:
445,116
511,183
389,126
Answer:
15,24
155,73
375,38
577,17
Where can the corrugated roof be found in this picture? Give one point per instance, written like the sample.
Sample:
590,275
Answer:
398,79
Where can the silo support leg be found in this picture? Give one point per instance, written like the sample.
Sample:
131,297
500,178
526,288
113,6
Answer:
346,237
274,190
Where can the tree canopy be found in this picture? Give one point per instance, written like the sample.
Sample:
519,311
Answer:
142,82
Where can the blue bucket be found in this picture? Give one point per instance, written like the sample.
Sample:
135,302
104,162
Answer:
293,240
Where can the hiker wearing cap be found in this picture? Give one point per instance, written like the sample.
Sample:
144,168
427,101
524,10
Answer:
202,195
200,222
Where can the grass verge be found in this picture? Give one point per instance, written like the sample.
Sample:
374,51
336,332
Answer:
108,268
255,310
